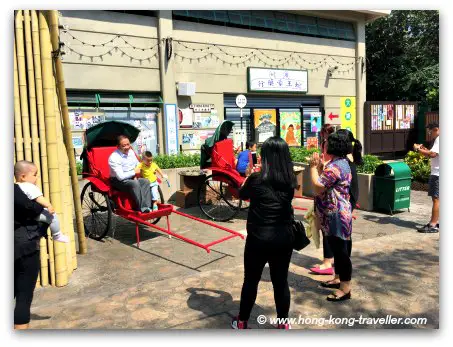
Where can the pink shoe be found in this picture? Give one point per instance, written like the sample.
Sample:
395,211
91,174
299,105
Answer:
238,324
318,271
284,326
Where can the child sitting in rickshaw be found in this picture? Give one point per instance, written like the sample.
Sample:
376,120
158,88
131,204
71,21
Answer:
247,158
148,169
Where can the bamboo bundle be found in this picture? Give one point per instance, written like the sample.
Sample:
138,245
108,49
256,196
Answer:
23,85
40,103
53,20
17,120
32,96
61,276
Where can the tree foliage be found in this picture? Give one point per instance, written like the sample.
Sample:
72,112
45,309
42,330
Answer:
402,52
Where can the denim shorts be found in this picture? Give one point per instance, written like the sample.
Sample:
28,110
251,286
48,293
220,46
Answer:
433,186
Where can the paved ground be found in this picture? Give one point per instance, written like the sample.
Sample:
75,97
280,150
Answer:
170,284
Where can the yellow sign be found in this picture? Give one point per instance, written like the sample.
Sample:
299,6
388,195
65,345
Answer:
348,114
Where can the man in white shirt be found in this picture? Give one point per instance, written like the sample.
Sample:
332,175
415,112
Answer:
123,169
433,154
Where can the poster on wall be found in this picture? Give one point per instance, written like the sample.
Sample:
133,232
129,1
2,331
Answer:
185,118
197,120
171,121
239,136
315,122
312,142
82,120
290,128
265,122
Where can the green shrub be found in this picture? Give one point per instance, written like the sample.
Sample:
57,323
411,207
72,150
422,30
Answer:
370,163
176,161
299,154
79,167
419,165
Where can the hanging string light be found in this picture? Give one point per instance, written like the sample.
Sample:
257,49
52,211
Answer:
109,52
116,37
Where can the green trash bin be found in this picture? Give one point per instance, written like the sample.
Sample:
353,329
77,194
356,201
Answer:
392,187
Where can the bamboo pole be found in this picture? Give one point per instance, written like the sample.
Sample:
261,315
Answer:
62,159
40,103
23,85
32,96
53,19
47,257
29,46
17,120
52,144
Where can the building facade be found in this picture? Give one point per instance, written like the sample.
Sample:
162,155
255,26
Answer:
177,74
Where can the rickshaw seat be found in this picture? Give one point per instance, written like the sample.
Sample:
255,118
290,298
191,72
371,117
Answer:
98,158
222,155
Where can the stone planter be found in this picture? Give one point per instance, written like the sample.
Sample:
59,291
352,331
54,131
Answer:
299,172
366,190
190,181
366,186
307,189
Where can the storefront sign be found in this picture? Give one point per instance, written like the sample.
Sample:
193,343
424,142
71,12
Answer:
347,113
276,80
265,122
82,120
171,127
202,107
290,128
241,101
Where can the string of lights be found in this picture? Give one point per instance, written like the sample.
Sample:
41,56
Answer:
109,52
115,37
278,61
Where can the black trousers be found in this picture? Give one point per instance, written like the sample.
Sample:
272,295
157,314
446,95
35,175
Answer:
257,253
325,244
139,189
26,271
341,250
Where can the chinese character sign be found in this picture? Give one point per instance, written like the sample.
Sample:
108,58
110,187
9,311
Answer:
278,80
82,120
265,124
171,122
348,113
290,128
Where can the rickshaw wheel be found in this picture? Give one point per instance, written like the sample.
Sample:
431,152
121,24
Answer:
96,211
162,201
218,198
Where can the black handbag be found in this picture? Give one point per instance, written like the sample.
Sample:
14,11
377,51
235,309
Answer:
300,239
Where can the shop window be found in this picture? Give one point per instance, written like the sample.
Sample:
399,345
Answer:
272,21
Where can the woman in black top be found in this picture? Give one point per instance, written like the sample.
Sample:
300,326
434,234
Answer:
269,236
27,233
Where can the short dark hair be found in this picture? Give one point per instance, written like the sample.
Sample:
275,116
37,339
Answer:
121,137
249,144
148,154
338,145
276,164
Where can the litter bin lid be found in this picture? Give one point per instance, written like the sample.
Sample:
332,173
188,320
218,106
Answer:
396,169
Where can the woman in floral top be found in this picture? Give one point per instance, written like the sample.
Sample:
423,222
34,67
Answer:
334,209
